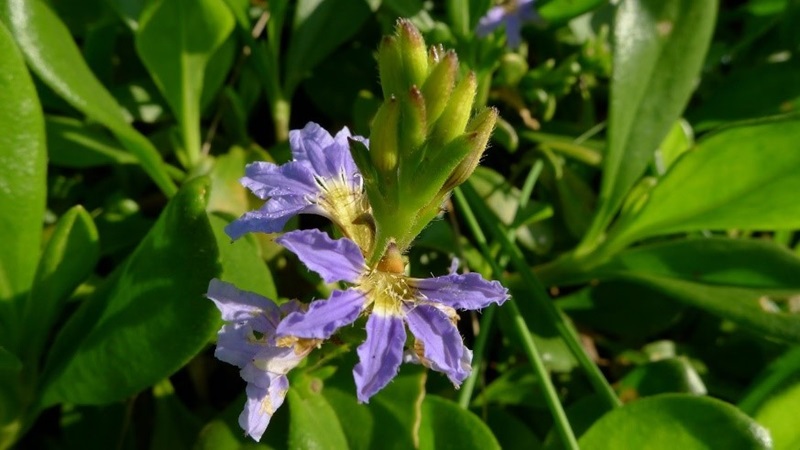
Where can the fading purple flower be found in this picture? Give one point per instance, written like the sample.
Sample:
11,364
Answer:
248,341
427,306
321,179
511,14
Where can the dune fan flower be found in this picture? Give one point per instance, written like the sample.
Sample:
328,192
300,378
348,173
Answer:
511,14
321,179
392,300
248,341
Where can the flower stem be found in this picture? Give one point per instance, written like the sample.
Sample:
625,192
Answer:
535,286
551,397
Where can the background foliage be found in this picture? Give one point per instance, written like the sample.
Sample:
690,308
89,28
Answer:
639,199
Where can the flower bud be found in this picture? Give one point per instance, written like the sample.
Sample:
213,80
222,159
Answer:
439,86
413,52
383,136
390,67
435,54
456,114
413,126
480,129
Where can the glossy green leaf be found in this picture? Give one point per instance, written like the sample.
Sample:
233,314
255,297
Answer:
241,263
679,140
149,318
673,421
312,421
319,27
52,54
175,40
659,48
68,259
560,11
777,391
446,426
660,377
742,177
22,178
227,193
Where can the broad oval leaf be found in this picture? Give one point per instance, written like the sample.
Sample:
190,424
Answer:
673,421
176,39
149,318
744,177
68,258
22,178
659,48
312,420
53,56
447,426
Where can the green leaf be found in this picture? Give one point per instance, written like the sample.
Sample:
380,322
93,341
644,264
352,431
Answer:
68,259
659,48
743,177
319,27
312,421
750,93
679,140
659,377
22,178
673,421
71,143
175,427
227,193
241,263
776,392
10,397
560,11
175,40
149,318
446,426
52,54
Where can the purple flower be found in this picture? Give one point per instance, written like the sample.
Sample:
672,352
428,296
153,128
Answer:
427,306
248,341
513,14
322,179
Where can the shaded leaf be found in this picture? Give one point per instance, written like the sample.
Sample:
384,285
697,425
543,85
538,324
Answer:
673,421
446,426
149,318
73,144
312,421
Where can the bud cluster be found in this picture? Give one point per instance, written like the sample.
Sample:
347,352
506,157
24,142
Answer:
424,139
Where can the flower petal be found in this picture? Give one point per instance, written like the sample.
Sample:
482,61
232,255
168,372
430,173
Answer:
315,146
513,30
267,180
380,355
272,217
333,260
262,402
237,305
324,317
234,344
351,172
493,19
466,291
444,348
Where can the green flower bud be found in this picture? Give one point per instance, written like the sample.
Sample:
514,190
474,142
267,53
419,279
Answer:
414,54
413,125
479,129
439,85
384,145
390,67
435,54
456,114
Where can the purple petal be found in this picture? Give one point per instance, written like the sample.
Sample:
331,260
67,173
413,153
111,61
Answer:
272,217
324,317
237,305
262,404
513,30
333,260
444,349
493,19
466,291
268,180
380,355
236,344
349,167
315,146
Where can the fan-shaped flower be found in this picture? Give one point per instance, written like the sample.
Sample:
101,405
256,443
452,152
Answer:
392,300
322,179
248,341
512,14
